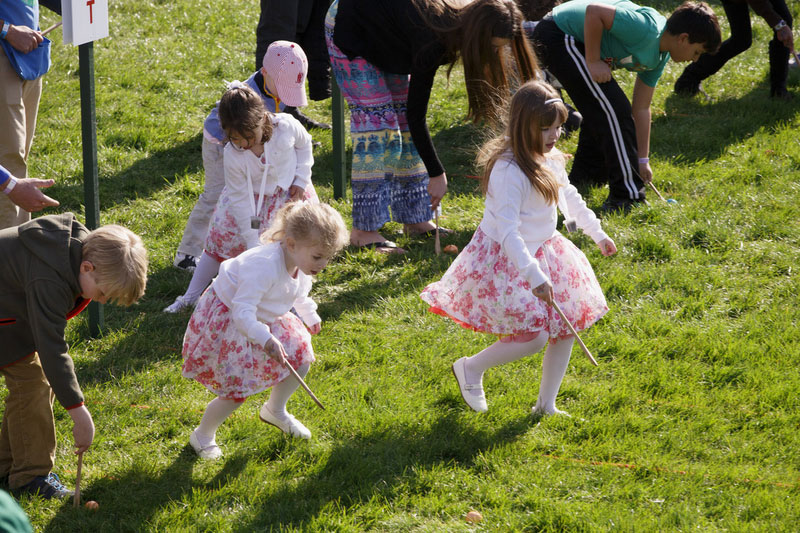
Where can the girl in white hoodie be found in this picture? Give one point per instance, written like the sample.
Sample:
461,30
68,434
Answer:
517,263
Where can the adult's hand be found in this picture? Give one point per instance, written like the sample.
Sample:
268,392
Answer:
785,36
83,430
23,38
28,196
437,187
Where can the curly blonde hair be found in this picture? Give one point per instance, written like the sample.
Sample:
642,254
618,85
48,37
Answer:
309,224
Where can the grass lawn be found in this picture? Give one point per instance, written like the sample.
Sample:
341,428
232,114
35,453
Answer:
690,422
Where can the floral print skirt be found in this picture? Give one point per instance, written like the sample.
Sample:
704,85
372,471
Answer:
224,240
219,356
483,290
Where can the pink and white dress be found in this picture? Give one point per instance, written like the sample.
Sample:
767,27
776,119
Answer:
249,302
489,286
259,186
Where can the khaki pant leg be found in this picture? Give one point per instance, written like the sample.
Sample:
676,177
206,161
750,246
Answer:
19,104
28,433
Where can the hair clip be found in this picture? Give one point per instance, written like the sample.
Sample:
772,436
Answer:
552,100
236,84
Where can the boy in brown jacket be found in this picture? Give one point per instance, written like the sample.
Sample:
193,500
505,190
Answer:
51,268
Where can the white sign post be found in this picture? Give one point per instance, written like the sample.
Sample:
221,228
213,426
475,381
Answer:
86,21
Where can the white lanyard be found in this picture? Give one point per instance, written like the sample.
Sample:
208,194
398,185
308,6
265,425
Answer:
256,204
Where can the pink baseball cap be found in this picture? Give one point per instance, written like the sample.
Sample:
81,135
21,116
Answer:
286,64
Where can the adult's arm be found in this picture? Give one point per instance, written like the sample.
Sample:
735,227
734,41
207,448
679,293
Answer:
419,93
640,108
598,17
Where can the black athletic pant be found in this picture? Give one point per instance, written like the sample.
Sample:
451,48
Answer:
740,40
607,148
302,22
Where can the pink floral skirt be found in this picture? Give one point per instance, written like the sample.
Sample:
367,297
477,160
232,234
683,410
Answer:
218,355
483,290
224,240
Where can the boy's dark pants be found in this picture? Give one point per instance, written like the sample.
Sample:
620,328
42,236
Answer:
28,434
607,148
741,38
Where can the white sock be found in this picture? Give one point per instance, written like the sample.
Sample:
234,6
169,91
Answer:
554,366
217,411
500,353
207,268
282,391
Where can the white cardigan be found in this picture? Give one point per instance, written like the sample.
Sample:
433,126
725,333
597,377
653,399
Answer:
517,216
257,288
289,158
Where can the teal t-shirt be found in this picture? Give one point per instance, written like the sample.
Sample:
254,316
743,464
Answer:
631,43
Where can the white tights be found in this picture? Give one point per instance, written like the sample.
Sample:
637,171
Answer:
221,408
554,365
207,267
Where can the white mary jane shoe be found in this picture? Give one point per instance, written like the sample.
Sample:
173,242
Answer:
476,402
288,425
208,451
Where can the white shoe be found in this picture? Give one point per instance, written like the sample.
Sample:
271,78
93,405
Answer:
180,303
287,424
538,410
185,262
476,401
205,451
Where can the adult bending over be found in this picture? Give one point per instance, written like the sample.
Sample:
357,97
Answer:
779,19
385,56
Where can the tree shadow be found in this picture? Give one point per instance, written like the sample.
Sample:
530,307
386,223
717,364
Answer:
373,465
138,494
716,124
141,179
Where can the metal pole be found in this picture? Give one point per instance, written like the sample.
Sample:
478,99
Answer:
339,163
90,180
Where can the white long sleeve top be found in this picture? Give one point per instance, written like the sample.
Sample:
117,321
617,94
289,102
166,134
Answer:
288,160
518,218
257,288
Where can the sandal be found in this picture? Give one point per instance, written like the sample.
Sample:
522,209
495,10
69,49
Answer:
389,247
443,232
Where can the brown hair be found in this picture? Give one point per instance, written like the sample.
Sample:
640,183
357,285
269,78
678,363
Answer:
120,262
309,224
528,115
698,20
242,111
467,32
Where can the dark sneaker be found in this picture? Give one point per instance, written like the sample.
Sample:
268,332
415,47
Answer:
687,87
307,122
47,487
623,205
185,262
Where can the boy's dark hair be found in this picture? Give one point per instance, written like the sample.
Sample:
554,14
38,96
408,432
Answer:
698,20
536,9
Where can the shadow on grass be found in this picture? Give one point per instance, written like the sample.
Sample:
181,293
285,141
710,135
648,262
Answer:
138,494
138,180
693,130
372,466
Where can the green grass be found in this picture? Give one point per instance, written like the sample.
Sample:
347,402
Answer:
689,423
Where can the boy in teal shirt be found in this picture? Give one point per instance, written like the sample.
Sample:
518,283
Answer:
581,43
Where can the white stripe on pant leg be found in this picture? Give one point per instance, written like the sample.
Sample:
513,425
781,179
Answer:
608,110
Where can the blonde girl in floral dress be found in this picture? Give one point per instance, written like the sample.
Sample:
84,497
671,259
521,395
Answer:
517,263
267,163
242,334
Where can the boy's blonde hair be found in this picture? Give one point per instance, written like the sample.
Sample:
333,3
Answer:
309,225
120,262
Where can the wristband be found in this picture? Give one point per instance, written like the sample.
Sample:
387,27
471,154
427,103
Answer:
779,26
7,25
12,182
643,160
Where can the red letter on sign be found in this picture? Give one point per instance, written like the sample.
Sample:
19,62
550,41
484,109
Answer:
89,3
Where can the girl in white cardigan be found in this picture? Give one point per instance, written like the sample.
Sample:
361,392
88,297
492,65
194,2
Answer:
517,263
267,163
243,334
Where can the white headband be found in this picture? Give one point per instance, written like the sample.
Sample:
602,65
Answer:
552,101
